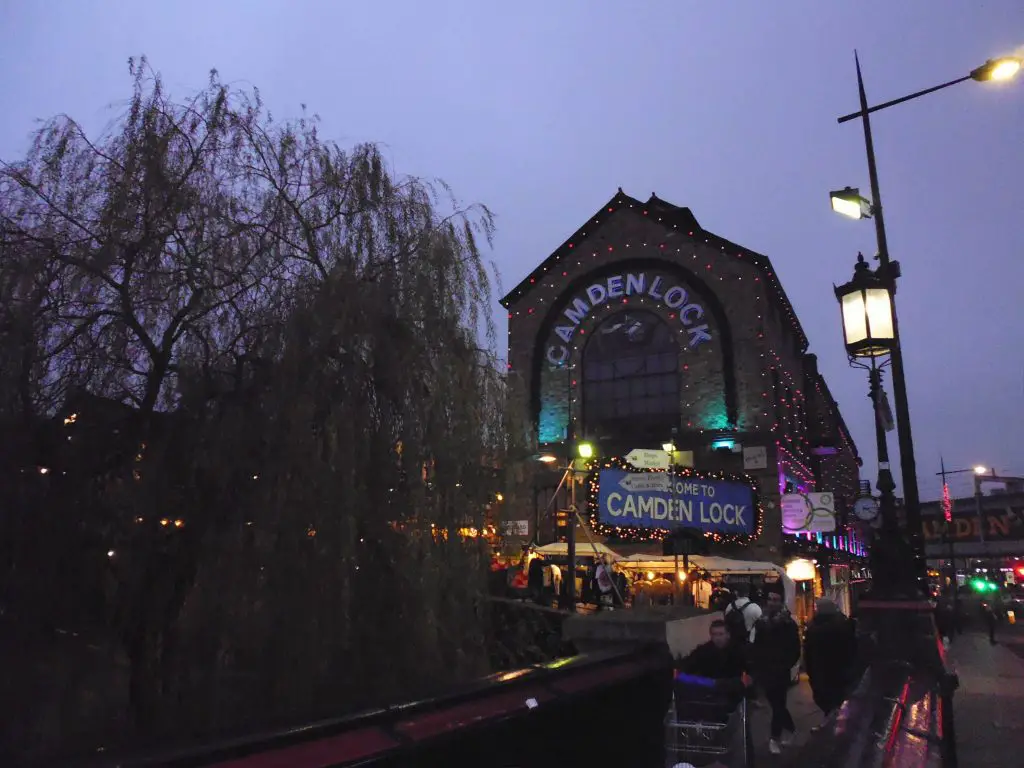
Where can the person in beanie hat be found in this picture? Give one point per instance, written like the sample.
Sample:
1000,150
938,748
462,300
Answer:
830,650
774,652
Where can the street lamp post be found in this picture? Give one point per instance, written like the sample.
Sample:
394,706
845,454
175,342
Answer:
670,449
888,271
869,334
584,451
979,511
943,473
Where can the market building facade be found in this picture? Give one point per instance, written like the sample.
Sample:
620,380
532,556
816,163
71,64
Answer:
645,333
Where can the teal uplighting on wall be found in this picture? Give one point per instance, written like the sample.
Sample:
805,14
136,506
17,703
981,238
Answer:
552,427
553,419
716,418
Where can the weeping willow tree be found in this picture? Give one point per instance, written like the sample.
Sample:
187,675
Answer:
312,410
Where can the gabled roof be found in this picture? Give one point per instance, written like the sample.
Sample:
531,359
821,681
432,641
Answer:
671,217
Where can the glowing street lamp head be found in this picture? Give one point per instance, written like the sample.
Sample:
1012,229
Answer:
1005,69
668,447
999,70
869,328
547,458
980,470
849,202
585,450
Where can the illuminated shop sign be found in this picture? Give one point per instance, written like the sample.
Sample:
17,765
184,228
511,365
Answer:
657,287
659,500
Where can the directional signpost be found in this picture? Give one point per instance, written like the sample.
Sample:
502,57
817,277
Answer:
647,458
644,481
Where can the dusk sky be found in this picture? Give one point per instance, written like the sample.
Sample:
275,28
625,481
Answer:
542,109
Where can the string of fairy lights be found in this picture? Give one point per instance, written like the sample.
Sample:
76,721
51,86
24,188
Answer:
640,534
678,218
787,410
792,428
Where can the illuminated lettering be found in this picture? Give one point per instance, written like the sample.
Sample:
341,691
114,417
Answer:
577,311
698,335
597,294
690,312
653,293
613,497
675,297
629,284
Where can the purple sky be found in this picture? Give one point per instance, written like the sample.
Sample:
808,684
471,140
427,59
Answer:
541,109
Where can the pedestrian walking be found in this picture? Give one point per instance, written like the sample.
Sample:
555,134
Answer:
740,615
945,619
830,652
990,620
604,576
774,653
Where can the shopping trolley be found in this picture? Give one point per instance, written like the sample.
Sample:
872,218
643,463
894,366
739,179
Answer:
706,724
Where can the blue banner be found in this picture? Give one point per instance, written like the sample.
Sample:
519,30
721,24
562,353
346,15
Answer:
659,500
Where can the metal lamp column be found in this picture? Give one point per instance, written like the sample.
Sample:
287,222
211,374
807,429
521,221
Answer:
888,271
1001,69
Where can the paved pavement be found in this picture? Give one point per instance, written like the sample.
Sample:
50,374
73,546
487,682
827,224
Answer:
989,707
805,714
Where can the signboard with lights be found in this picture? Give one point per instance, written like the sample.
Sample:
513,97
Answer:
659,500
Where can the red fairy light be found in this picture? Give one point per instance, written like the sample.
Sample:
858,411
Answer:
947,504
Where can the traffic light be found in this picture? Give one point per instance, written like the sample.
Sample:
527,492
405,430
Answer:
982,585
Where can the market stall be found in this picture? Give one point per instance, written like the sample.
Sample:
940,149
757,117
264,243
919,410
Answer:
719,570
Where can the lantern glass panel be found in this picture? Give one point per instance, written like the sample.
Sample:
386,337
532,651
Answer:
878,307
855,318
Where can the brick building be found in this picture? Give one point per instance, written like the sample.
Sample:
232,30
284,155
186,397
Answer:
643,328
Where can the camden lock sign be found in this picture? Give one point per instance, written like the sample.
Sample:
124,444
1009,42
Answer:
657,287
658,500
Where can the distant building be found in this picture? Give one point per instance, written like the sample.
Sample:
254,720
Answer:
997,532
643,329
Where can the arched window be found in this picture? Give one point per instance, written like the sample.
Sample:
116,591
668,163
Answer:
631,377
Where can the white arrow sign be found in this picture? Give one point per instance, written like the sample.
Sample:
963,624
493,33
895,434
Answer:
645,481
647,458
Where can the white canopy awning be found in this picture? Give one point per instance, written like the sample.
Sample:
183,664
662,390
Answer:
582,550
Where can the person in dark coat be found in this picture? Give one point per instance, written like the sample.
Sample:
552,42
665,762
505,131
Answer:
991,618
718,658
830,651
945,619
774,653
